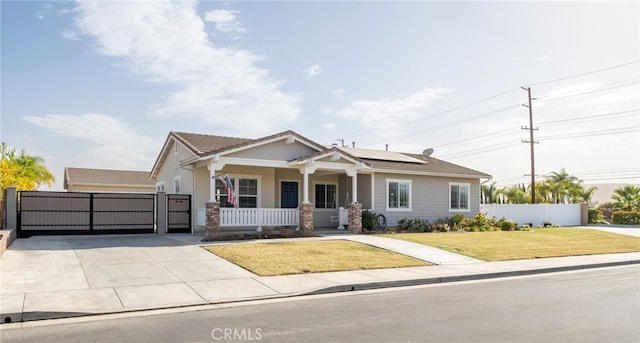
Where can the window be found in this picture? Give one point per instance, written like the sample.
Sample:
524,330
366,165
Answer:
175,147
177,182
325,196
459,197
160,186
246,191
399,195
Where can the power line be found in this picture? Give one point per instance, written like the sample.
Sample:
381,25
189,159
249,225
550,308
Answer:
600,116
587,92
486,114
583,74
594,133
440,113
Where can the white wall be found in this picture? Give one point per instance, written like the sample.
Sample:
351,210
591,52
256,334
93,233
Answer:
538,214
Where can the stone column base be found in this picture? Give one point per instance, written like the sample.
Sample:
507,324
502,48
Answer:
355,218
213,218
306,219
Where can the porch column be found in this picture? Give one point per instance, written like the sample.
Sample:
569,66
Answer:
212,183
355,218
354,184
305,171
306,219
213,218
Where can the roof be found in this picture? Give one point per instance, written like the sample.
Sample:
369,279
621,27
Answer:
87,176
433,166
202,145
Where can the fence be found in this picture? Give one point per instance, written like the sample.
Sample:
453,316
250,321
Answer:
538,214
68,213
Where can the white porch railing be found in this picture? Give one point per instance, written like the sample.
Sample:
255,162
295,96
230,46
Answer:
258,217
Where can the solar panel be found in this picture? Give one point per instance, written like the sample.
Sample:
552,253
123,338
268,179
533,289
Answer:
380,155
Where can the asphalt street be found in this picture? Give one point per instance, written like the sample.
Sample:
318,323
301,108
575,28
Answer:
598,305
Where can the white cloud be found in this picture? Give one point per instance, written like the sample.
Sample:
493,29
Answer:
44,10
338,93
545,57
329,126
313,71
166,42
225,21
115,144
391,112
69,34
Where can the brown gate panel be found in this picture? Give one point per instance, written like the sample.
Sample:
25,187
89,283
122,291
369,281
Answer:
178,213
123,211
54,211
68,213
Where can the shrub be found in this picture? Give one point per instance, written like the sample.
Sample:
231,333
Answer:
547,224
456,220
479,222
626,217
595,216
507,225
415,224
369,220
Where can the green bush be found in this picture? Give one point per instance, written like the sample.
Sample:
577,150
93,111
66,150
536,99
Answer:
414,225
506,225
369,220
595,216
626,217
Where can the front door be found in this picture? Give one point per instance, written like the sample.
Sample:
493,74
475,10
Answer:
289,195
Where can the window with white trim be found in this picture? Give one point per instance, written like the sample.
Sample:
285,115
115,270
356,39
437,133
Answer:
325,195
398,195
160,186
459,197
246,189
177,185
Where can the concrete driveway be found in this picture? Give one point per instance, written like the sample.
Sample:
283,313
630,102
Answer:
104,274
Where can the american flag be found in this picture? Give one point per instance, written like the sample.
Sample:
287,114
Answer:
228,188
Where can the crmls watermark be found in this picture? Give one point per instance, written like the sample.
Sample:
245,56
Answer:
235,334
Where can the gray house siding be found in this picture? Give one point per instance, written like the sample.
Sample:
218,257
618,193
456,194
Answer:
429,197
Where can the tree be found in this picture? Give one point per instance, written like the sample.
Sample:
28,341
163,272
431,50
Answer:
627,198
23,171
488,193
513,195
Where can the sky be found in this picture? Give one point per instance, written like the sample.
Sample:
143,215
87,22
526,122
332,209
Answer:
100,84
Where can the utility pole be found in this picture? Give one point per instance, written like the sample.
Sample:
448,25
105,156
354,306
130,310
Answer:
531,142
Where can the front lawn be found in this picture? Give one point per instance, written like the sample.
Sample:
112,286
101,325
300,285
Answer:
284,258
514,245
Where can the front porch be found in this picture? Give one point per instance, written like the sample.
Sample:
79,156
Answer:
256,219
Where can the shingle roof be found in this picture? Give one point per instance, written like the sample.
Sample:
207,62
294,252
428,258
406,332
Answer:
433,166
204,144
106,177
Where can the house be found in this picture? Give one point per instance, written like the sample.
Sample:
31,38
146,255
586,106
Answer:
107,181
289,177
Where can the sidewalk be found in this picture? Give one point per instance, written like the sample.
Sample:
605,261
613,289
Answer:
65,276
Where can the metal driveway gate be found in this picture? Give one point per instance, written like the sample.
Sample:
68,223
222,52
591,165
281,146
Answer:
56,213
179,213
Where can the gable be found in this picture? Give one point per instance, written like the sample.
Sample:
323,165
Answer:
279,150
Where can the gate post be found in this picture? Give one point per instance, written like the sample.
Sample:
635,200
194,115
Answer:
11,203
161,210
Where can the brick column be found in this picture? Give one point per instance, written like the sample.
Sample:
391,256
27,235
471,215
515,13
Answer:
213,218
306,219
355,218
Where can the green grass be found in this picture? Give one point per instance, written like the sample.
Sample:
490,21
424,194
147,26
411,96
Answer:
285,258
514,245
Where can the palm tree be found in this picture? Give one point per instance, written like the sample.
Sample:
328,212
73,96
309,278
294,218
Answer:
514,194
23,171
585,195
562,188
627,198
488,193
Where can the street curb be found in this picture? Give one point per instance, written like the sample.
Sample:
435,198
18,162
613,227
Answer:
458,278
44,316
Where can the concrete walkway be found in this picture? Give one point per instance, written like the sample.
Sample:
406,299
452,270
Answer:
65,276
